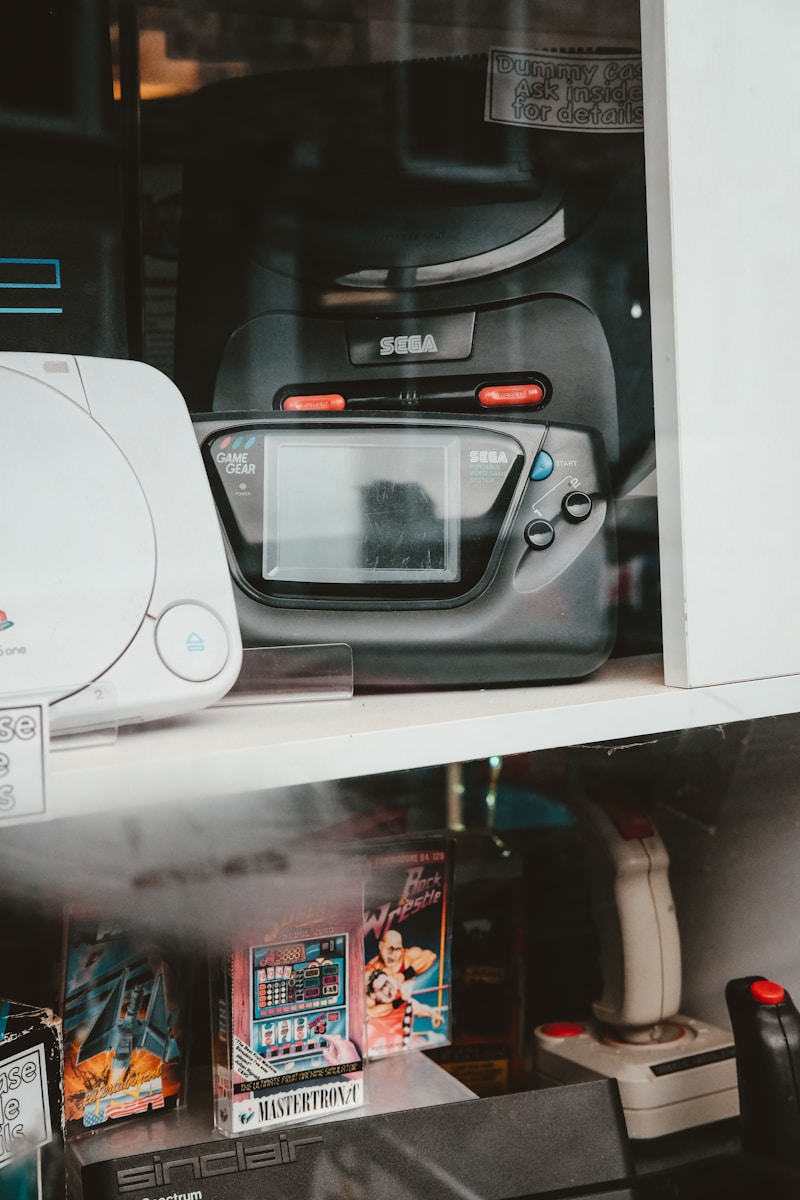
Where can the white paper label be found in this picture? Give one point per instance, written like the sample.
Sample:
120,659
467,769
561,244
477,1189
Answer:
24,1110
595,93
22,775
248,1063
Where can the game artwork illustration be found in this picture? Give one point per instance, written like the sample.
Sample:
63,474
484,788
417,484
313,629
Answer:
289,1012
123,1000
407,945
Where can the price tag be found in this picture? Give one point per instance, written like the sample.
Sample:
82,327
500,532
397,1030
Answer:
22,745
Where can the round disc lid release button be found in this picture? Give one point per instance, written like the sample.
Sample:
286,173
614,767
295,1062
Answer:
192,642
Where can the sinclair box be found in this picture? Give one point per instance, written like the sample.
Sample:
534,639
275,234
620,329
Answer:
123,1009
288,1009
407,943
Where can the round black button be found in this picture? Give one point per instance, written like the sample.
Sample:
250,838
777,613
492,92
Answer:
539,534
576,506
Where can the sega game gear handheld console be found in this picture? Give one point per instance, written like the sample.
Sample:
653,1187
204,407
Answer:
445,551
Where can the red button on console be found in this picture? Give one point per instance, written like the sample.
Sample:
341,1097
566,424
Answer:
767,992
563,1029
513,393
322,403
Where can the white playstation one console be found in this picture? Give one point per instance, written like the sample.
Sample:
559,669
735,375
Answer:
116,603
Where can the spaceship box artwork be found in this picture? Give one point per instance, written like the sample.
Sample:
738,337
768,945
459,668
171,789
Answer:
123,1005
407,910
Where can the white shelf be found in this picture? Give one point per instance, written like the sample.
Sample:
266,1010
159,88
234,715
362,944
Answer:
228,751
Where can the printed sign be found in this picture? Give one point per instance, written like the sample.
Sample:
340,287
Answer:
24,1108
595,93
22,782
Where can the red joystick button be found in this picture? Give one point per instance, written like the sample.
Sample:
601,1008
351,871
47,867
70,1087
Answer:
563,1029
764,991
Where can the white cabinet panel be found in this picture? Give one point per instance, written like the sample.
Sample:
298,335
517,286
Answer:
723,158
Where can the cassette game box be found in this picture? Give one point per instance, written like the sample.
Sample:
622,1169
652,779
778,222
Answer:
124,1006
288,1014
407,932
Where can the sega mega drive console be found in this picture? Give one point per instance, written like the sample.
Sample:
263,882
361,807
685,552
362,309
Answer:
444,551
115,592
366,239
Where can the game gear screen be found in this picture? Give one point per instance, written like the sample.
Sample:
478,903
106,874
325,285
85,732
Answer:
299,997
362,509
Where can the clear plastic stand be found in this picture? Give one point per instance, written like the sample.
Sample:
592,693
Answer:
99,730
30,727
282,674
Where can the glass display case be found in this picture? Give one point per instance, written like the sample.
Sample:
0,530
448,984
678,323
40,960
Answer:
335,224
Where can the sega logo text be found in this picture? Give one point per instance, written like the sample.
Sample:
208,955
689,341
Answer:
413,343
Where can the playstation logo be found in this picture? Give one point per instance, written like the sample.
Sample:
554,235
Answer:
4,621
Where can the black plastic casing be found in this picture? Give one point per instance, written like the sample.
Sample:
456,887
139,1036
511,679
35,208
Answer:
531,615
567,1142
316,203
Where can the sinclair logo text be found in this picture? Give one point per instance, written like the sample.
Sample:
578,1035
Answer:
161,1170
